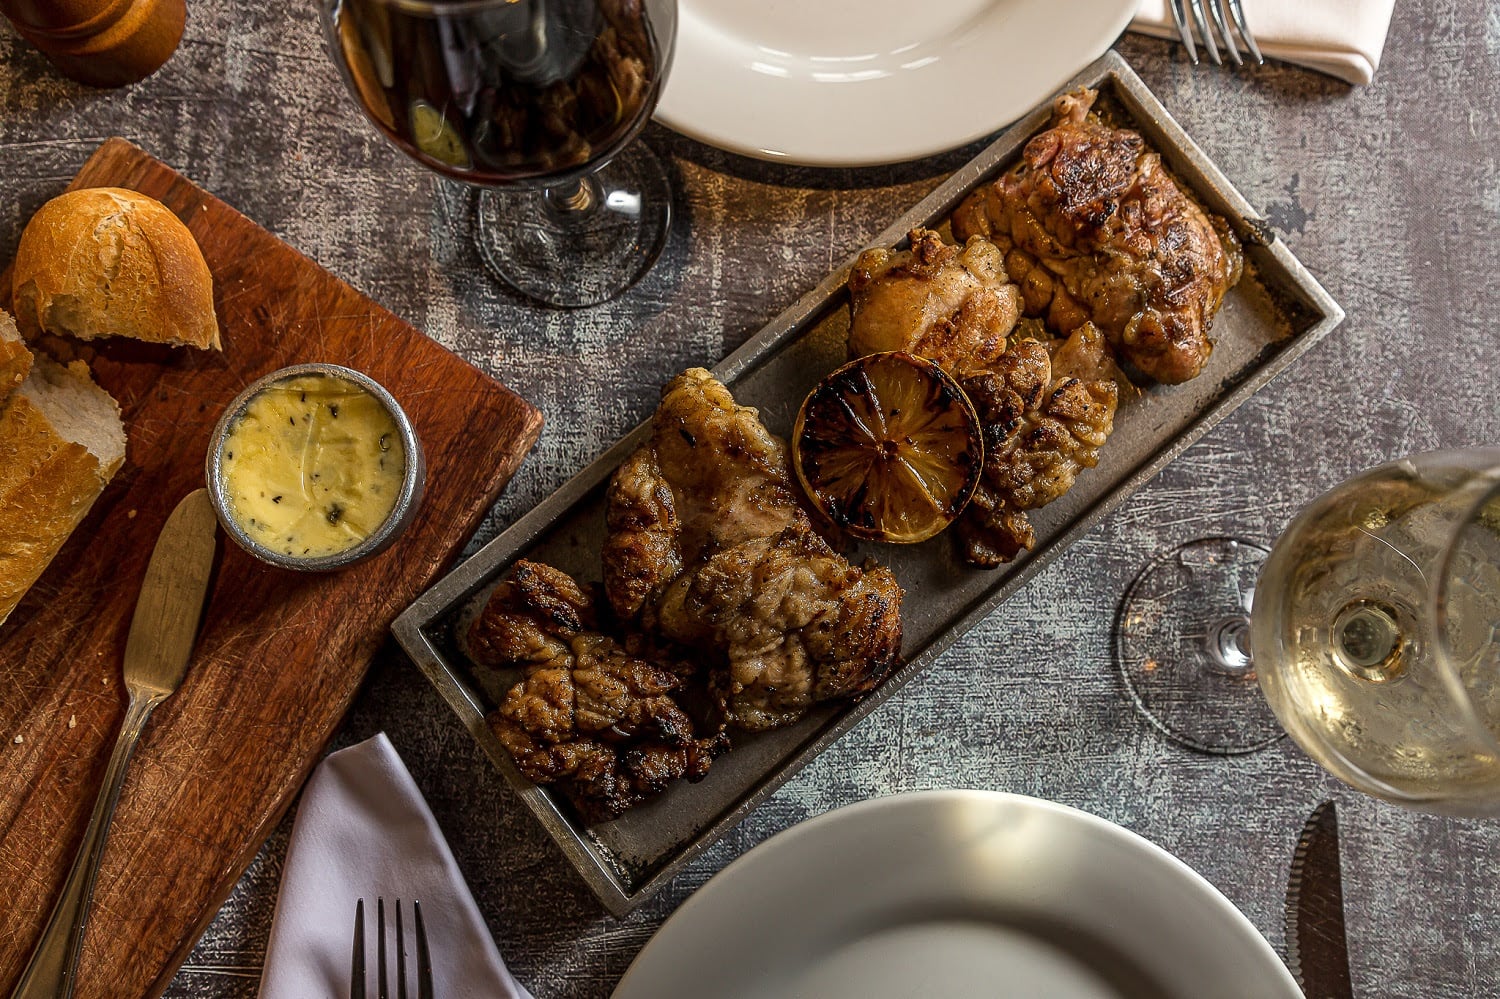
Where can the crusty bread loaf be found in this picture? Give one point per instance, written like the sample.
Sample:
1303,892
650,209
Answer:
61,440
15,359
104,261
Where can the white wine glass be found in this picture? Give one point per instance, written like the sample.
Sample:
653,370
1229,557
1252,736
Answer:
1370,632
538,103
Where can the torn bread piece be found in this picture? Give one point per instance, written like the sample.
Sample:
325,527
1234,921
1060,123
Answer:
104,261
61,441
15,359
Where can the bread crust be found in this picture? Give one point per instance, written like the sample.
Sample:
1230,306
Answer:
15,359
47,483
37,518
105,261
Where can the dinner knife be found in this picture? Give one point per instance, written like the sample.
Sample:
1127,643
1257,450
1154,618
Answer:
162,634
1316,949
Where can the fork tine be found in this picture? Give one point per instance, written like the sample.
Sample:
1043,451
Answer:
424,959
1237,11
357,962
1180,17
1204,32
400,955
382,990
1216,7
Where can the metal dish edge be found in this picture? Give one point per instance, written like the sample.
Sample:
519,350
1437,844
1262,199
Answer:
1181,154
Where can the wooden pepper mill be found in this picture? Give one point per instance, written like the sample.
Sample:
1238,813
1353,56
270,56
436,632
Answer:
104,43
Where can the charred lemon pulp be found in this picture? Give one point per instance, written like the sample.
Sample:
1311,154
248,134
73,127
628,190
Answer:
889,448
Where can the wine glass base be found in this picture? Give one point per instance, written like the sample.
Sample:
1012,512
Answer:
1181,643
575,258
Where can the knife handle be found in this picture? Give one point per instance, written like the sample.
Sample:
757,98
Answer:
54,962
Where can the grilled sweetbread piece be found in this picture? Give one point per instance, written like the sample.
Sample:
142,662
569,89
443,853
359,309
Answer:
710,549
1095,230
61,440
951,304
603,726
595,714
1047,408
104,261
529,617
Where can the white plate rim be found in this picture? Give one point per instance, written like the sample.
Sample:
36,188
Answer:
696,102
722,887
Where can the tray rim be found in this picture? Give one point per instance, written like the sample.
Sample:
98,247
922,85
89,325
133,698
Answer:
475,572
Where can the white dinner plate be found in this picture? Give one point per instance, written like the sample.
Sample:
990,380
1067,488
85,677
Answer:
861,82
956,894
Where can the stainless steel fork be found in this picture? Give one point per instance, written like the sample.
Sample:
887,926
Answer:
382,984
1222,13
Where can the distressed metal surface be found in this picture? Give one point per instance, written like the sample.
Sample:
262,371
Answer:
1389,193
1274,315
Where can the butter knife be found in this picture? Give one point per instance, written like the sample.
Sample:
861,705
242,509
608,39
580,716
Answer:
1317,952
162,634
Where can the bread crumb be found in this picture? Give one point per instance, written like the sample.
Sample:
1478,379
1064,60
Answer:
19,739
72,721
130,515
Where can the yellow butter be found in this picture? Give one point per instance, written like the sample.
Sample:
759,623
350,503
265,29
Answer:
313,466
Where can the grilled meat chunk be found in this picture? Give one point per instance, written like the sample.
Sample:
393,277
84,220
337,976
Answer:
954,305
1033,456
529,617
601,723
708,548
1047,408
1094,230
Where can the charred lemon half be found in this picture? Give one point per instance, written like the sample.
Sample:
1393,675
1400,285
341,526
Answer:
889,448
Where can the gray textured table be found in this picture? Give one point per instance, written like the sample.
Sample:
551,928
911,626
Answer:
1391,196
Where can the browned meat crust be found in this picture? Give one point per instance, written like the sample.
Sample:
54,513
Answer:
709,549
1094,230
954,305
529,617
589,716
1047,408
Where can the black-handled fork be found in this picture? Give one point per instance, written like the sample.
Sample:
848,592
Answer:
382,985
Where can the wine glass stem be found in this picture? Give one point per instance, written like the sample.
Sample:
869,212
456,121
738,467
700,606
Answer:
572,203
1229,646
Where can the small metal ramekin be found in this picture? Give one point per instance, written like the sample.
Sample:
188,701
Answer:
412,483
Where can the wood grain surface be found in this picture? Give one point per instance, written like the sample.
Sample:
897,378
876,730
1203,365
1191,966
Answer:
280,654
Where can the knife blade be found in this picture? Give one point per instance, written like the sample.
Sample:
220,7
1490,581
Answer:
1317,951
157,650
170,607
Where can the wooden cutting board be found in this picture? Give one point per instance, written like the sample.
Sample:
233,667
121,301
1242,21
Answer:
281,654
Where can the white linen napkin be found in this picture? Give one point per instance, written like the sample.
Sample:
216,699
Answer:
363,830
1342,38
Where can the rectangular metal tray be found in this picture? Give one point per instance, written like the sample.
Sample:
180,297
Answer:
1274,314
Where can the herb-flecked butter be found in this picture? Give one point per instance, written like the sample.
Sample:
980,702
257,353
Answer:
313,466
